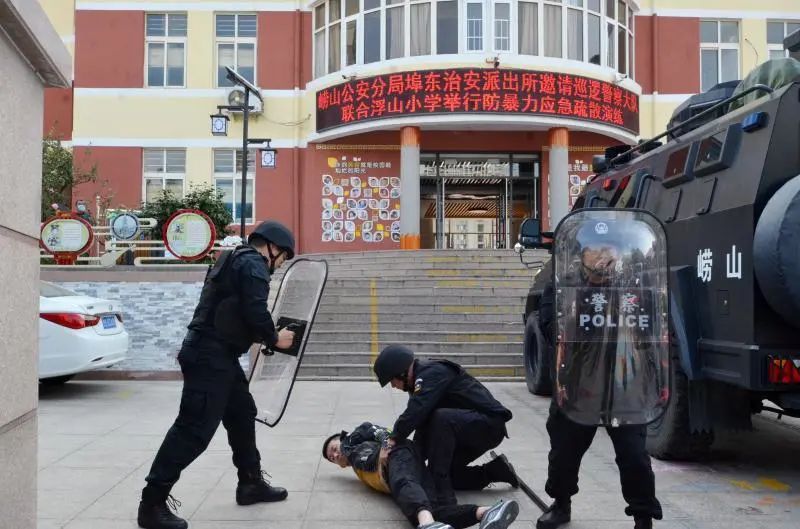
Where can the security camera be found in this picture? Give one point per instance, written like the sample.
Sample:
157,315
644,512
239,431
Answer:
495,61
619,77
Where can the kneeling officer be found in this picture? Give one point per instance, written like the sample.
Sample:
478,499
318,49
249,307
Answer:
232,315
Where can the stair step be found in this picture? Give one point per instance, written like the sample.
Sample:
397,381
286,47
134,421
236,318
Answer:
393,317
338,335
356,378
421,325
361,358
365,370
421,347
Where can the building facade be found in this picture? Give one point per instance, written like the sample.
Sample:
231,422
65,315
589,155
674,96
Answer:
32,57
397,123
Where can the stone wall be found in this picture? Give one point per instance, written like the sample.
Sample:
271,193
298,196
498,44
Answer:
155,315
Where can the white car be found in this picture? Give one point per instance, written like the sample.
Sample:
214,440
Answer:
77,333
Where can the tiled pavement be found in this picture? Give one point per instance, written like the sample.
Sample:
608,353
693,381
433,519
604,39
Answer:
97,440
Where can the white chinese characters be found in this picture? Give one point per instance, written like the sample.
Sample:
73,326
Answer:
733,264
705,263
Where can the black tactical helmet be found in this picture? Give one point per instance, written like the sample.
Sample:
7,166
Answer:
393,361
276,233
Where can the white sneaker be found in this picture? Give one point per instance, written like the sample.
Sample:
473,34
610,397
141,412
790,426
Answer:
500,515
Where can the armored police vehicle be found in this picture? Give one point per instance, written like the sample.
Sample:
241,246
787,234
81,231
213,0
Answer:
726,185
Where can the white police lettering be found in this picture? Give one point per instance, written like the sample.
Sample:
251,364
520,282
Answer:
629,303
733,262
598,300
600,320
704,264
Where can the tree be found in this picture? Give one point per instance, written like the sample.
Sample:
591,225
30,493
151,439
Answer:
204,197
60,174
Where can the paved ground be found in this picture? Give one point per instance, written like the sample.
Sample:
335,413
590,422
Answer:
97,440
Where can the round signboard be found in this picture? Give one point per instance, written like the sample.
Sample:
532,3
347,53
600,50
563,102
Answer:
125,226
189,234
66,234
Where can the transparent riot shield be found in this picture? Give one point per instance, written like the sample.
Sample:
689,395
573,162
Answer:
273,373
611,307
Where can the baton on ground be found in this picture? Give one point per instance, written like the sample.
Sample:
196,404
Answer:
526,489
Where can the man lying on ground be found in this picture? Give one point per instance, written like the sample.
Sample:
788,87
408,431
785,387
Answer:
401,472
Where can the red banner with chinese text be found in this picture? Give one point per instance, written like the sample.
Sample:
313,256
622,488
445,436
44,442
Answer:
484,91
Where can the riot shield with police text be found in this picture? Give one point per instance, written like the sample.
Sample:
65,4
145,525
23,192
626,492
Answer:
273,373
612,322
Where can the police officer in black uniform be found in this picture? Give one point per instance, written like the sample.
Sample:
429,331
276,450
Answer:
232,315
599,263
455,417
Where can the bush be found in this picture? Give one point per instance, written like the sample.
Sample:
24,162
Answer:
203,197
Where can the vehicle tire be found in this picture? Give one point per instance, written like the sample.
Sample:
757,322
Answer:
56,381
670,437
536,354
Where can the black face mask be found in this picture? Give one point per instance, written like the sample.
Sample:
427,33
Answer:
272,259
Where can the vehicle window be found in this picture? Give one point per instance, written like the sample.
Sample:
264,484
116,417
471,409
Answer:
49,290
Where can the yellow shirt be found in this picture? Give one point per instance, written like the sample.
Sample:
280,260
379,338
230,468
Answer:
373,480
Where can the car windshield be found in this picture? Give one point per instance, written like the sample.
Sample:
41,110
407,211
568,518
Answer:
49,290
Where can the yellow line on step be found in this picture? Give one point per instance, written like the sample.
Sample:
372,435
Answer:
373,316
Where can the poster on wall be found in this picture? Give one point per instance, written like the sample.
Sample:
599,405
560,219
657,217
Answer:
189,234
66,234
360,201
579,171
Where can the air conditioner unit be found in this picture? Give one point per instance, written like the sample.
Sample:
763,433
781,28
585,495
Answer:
235,96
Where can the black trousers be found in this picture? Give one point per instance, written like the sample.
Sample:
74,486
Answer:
215,390
413,489
452,439
570,440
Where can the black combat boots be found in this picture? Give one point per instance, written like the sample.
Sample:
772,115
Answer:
155,510
643,523
501,471
559,513
253,488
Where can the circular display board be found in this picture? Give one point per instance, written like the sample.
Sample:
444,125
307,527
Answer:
125,226
66,235
189,234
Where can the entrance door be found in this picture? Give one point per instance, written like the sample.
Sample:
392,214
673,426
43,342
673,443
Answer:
476,201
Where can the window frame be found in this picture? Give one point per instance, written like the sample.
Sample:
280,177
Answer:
162,175
235,40
166,40
779,47
718,47
488,9
236,177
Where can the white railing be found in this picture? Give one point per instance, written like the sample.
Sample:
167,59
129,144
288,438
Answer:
106,251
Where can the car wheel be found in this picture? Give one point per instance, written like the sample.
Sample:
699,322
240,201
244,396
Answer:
671,438
536,354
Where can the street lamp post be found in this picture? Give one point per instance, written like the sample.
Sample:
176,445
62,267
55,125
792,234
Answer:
219,127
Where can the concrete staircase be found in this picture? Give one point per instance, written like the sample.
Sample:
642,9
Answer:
465,306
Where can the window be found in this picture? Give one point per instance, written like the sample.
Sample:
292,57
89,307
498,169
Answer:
228,179
164,170
446,27
528,32
165,43
502,26
474,26
776,32
236,46
719,52
334,35
553,31
355,32
395,35
575,31
420,29
351,32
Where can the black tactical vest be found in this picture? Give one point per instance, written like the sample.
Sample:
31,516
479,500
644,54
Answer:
218,312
